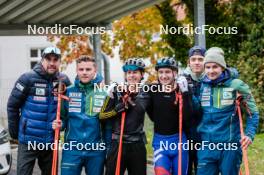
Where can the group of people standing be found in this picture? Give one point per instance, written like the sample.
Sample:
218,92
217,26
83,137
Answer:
204,95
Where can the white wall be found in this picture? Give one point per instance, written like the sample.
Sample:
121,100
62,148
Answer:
15,60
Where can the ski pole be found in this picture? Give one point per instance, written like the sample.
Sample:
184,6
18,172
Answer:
118,162
180,135
60,96
244,151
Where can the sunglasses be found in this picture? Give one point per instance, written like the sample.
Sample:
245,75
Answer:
53,50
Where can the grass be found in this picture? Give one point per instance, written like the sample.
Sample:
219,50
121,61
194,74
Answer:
255,151
256,156
149,133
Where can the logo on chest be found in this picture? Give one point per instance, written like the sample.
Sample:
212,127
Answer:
41,85
227,95
75,95
40,91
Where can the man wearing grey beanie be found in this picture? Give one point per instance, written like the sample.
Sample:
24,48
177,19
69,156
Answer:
220,122
215,56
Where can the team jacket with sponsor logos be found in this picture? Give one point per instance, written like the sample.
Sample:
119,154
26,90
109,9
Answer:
32,106
81,113
220,122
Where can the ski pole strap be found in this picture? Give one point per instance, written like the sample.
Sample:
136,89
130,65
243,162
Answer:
240,101
59,89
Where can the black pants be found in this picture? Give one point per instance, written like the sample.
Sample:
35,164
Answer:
26,160
193,161
133,159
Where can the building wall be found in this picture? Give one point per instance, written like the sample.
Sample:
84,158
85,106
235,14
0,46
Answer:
15,60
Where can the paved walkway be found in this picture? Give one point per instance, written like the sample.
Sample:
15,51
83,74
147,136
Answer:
36,171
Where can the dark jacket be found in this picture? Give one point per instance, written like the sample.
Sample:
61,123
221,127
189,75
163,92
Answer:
81,121
32,106
164,111
134,123
220,122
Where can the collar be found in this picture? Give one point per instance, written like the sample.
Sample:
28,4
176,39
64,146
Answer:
194,76
224,79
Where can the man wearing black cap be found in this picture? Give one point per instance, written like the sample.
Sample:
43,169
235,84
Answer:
194,73
31,110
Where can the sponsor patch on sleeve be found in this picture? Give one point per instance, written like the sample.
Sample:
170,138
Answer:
20,87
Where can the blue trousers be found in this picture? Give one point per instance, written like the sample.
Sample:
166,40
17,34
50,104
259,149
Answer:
72,163
166,154
213,162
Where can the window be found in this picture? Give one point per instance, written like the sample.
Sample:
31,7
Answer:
32,64
35,56
33,53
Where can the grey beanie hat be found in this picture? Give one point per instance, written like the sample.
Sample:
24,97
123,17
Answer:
216,49
215,55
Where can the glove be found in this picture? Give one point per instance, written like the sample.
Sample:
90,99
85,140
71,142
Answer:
111,89
182,83
120,107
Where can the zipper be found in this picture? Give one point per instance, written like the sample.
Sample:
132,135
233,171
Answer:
218,97
211,110
83,101
89,95
230,128
83,110
91,105
211,99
